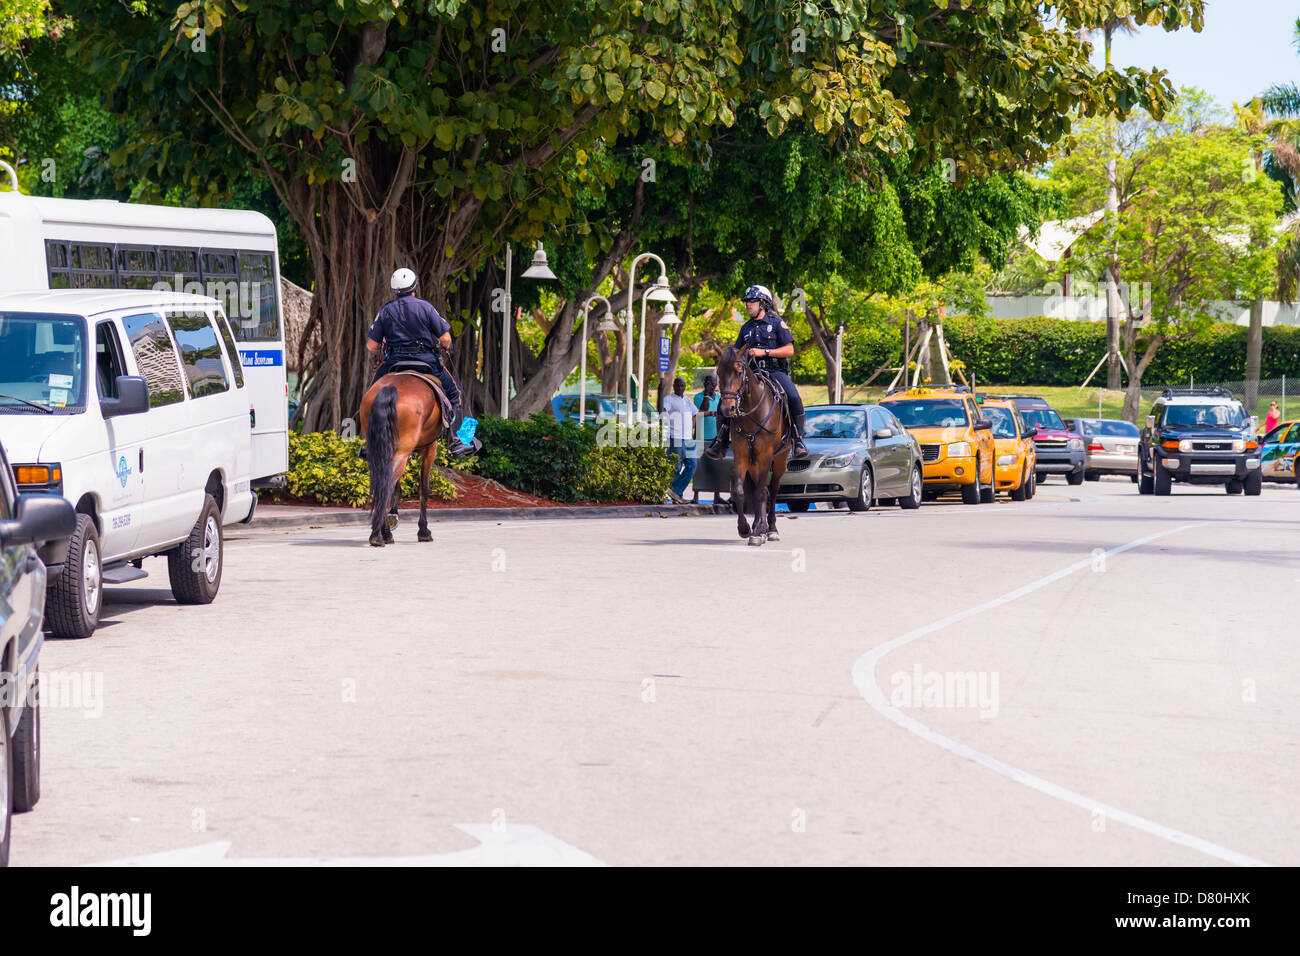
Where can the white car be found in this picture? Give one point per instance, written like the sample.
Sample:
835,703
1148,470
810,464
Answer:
132,405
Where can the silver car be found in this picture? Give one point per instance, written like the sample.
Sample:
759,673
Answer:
1112,447
859,454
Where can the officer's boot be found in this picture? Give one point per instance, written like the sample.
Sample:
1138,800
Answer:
455,447
717,449
798,449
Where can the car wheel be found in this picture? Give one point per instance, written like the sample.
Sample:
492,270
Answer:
194,565
1160,481
798,507
866,492
1254,483
73,599
1090,475
988,493
972,494
1134,479
1021,491
916,491
6,792
1075,477
27,751
1040,477
1235,486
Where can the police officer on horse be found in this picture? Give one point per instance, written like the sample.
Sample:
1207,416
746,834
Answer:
771,345
409,329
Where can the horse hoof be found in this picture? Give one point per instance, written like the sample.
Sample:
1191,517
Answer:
773,536
424,536
376,542
387,536
756,540
391,522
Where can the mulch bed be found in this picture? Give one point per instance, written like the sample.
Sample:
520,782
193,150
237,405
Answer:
472,491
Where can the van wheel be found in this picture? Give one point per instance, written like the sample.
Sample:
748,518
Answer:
194,565
988,494
1075,477
73,599
27,751
1021,491
972,494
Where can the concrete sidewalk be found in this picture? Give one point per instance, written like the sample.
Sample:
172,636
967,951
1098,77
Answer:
302,516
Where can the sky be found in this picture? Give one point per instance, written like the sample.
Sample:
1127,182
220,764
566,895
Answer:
1246,45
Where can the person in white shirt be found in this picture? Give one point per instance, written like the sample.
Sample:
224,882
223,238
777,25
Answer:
679,419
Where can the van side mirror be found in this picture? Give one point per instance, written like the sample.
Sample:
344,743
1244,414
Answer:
132,397
1151,421
983,424
39,518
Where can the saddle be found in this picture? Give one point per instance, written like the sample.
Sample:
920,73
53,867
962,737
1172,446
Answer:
782,402
444,403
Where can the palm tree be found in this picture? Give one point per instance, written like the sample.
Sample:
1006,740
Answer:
1281,102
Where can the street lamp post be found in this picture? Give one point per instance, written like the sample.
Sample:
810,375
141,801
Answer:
582,374
538,269
662,294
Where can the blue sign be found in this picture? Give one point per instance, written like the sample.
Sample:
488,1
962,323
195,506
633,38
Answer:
261,358
665,346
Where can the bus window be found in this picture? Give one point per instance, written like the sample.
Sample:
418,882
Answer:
258,279
137,267
232,352
200,353
155,358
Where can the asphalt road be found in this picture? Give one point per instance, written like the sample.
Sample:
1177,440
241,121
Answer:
1091,677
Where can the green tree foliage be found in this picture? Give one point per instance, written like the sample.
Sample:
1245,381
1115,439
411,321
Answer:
432,133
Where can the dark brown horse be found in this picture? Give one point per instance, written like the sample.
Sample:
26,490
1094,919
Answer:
759,423
400,415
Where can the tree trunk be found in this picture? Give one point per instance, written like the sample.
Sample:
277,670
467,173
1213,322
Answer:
1133,392
1254,345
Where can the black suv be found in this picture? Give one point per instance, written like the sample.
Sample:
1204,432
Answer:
1201,436
1058,448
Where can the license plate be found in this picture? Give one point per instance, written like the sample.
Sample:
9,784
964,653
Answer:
1126,449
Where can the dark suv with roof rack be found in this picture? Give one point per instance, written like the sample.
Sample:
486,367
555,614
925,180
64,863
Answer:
1058,449
1201,436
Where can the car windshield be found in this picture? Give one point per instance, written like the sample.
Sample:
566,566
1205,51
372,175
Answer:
930,413
1214,416
42,362
1042,418
835,423
1004,423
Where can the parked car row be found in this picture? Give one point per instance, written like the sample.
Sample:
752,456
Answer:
126,431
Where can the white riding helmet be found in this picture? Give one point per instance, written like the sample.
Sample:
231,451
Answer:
403,280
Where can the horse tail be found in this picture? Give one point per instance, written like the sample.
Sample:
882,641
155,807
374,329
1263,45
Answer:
381,441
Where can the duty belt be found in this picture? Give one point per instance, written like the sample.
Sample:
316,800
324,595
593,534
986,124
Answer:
416,349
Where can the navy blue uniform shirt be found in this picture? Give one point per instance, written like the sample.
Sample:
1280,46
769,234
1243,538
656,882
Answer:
408,324
768,331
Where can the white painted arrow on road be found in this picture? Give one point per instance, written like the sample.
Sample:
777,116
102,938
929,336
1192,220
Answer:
515,845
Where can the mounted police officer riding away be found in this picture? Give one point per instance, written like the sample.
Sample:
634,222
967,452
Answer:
771,346
410,331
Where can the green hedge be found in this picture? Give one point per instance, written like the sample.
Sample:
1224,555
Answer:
326,468
564,461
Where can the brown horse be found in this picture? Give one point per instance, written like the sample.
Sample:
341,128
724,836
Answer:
400,415
759,423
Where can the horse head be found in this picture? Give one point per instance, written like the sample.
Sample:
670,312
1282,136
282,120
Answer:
733,375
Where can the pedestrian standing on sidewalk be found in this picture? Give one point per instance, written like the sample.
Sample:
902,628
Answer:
707,402
679,417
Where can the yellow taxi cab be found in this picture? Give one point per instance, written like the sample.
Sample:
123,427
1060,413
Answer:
1013,440
957,446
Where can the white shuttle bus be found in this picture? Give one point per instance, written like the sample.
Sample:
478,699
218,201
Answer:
142,377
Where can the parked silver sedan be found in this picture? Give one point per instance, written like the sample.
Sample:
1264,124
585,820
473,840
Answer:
1112,447
860,454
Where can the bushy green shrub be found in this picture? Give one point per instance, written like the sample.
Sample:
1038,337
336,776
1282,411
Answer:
325,467
563,460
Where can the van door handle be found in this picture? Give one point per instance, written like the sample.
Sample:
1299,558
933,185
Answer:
141,470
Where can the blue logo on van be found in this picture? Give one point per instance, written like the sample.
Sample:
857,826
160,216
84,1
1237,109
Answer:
123,470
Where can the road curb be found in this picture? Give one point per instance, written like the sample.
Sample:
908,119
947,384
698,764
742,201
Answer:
262,520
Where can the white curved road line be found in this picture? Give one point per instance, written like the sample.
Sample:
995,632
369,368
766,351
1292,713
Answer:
864,678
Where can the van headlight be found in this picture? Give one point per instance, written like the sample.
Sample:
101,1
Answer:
959,449
48,477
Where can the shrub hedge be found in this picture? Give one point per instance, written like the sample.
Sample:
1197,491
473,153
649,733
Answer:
325,467
1046,351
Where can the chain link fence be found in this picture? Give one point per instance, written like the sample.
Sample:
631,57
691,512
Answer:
1281,390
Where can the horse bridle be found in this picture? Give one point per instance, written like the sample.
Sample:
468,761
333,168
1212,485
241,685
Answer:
742,412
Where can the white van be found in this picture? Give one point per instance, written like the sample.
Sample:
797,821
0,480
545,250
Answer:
131,404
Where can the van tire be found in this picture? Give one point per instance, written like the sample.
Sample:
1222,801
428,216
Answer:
27,752
7,775
192,585
74,598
